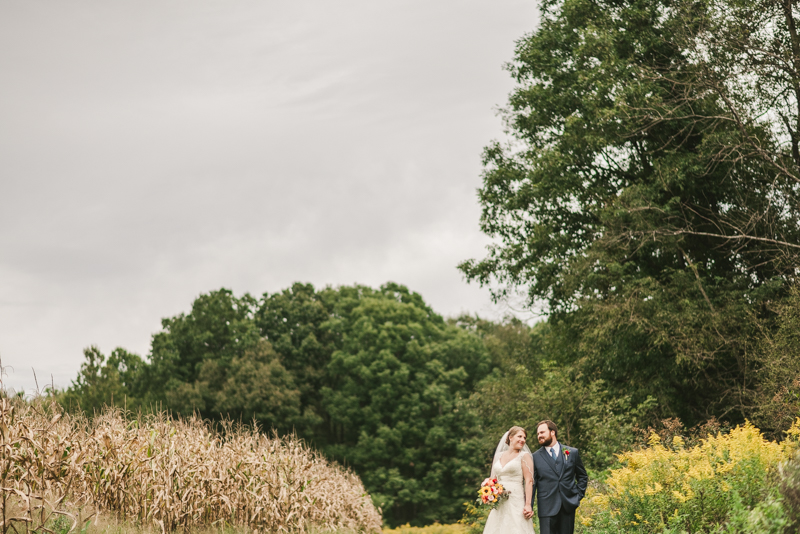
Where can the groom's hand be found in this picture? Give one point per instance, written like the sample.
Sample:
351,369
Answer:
527,511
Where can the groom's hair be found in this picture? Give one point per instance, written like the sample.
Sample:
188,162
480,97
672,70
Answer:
551,425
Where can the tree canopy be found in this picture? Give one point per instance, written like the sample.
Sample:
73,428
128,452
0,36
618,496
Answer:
373,378
632,200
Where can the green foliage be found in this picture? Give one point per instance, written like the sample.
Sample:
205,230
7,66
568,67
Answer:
397,389
776,399
215,361
301,324
726,481
790,492
766,517
390,378
255,384
371,377
614,206
116,381
63,525
777,513
474,518
535,379
437,528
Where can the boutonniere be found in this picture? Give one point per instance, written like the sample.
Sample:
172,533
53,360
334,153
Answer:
566,453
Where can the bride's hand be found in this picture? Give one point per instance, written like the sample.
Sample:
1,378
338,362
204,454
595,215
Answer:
527,511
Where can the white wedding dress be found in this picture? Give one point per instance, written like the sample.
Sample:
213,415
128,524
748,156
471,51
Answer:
507,518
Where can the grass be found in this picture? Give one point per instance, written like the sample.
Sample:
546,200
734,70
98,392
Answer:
436,528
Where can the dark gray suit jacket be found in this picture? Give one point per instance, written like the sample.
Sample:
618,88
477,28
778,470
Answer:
558,488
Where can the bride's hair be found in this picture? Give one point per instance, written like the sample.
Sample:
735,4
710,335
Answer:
513,431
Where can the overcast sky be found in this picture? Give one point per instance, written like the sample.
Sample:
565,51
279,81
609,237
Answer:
151,151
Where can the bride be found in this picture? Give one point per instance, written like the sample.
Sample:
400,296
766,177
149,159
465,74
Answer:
513,468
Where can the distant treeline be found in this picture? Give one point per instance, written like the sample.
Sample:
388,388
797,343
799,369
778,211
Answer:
371,377
377,380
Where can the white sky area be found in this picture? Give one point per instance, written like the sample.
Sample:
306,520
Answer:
152,151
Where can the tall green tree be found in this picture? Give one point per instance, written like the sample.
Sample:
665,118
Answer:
388,378
113,381
373,378
612,204
396,397
214,361
297,322
776,399
531,381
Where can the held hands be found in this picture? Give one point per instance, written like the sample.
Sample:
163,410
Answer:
527,511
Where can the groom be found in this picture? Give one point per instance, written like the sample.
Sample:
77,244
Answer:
560,479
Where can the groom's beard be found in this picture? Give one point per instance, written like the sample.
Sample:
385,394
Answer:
547,442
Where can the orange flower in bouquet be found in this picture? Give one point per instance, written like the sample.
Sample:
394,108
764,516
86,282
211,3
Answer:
490,492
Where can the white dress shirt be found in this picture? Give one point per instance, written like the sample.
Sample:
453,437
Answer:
554,448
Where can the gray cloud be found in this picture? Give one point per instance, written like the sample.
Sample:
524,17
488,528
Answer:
152,151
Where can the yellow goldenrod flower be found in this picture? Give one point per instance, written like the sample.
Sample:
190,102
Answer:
656,482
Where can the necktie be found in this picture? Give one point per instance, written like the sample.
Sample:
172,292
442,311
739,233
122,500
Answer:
553,454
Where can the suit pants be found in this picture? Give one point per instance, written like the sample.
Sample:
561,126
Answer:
562,523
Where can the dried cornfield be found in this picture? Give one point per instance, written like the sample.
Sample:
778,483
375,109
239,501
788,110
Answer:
175,474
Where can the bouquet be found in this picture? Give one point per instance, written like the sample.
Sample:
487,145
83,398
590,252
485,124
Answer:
491,491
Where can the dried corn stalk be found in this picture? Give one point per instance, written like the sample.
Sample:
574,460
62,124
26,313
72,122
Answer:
176,474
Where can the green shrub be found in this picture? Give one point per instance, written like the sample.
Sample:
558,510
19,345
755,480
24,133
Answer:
723,482
766,517
790,492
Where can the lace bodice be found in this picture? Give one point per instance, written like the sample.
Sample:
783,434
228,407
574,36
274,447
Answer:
511,472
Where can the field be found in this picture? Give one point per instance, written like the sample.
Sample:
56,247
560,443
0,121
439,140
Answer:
61,472
151,474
